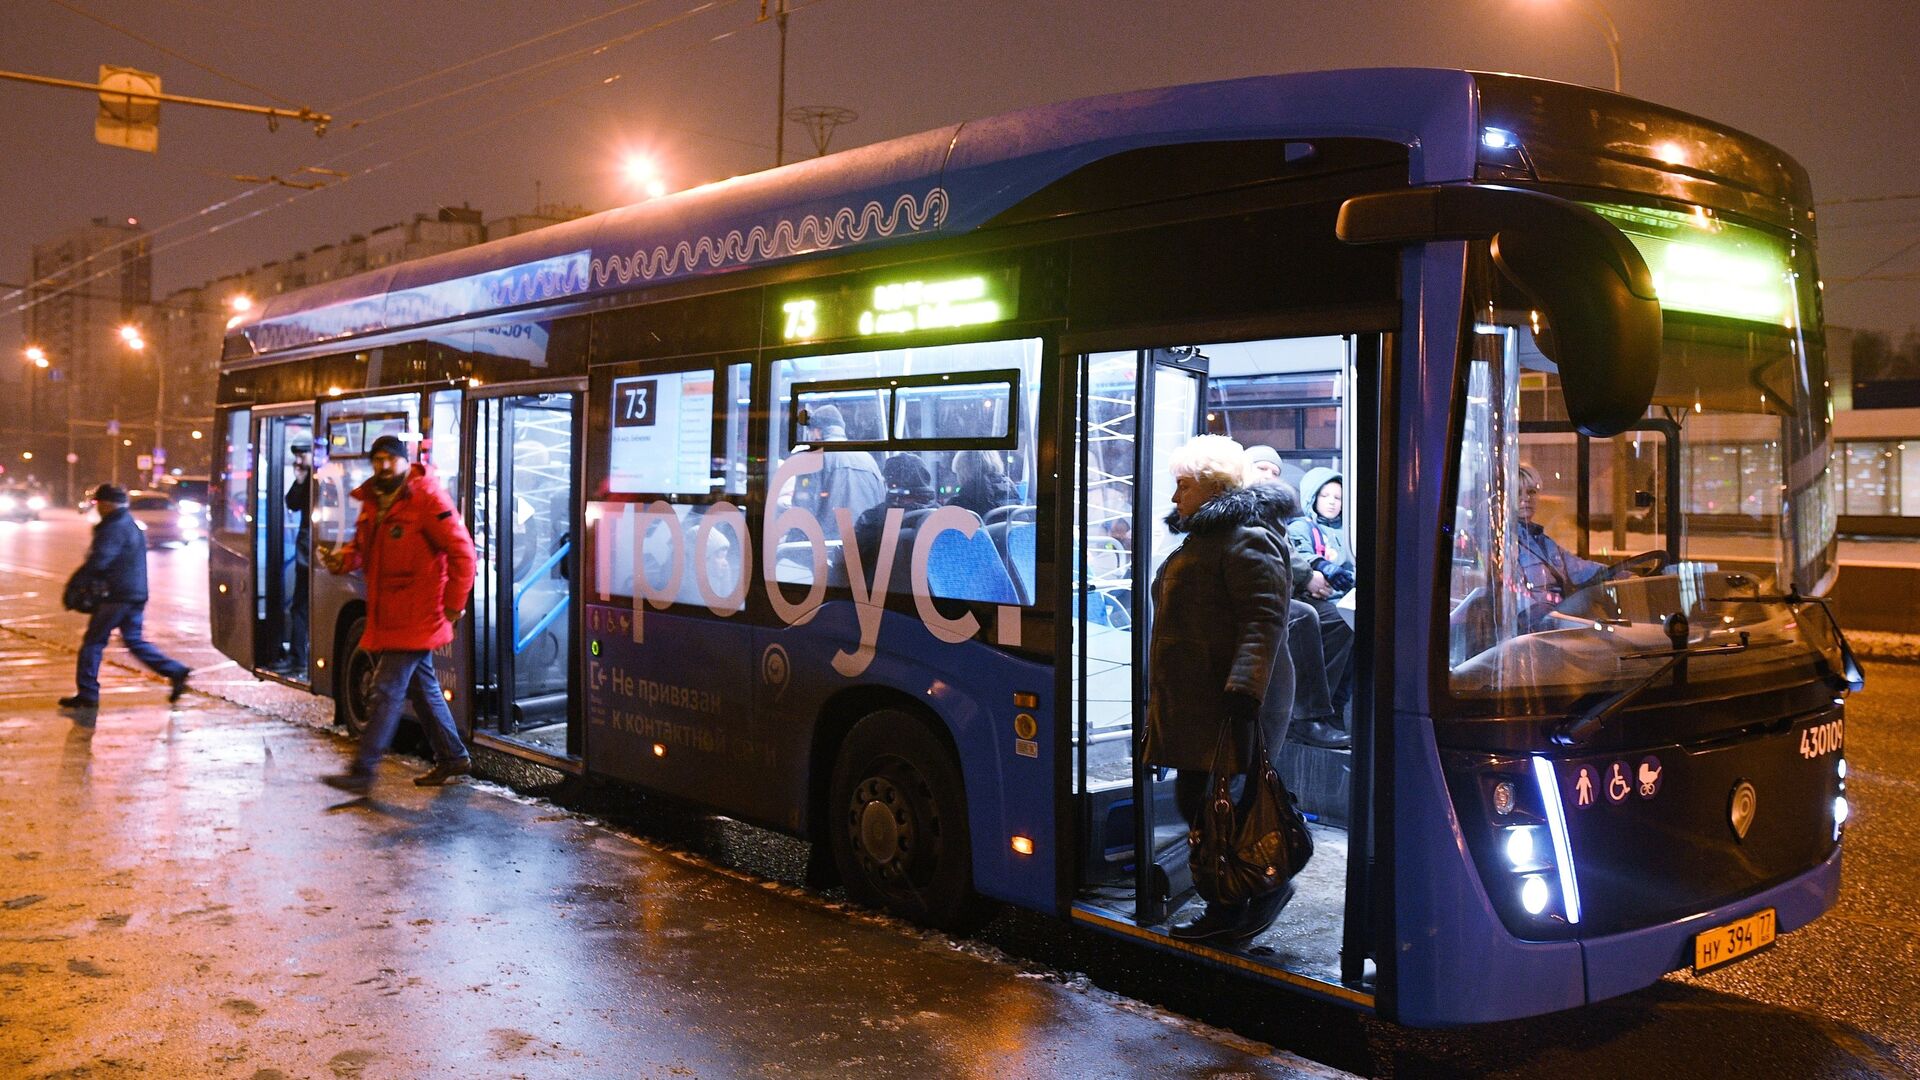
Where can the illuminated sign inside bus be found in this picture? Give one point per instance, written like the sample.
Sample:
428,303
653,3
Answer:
903,306
1705,264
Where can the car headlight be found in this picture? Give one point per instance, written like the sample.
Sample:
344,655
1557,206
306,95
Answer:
6,502
37,502
192,507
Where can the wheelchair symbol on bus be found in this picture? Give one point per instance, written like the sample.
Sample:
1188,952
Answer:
1618,786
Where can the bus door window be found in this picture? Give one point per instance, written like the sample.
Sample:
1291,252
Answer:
230,547
344,430
524,498
1122,539
283,543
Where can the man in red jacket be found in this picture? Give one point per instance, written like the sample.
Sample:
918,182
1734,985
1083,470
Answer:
418,561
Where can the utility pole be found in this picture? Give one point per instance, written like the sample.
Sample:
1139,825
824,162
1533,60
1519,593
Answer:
780,104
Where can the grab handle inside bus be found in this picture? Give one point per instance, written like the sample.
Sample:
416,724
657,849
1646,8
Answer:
1603,320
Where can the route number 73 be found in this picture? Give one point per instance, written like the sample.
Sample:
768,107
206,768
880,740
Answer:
803,319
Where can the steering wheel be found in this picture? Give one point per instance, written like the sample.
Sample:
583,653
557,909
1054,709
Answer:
1645,564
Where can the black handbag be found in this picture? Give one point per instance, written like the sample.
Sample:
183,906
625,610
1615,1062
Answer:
1241,853
84,594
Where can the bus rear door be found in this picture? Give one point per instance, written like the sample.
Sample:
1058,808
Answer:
525,500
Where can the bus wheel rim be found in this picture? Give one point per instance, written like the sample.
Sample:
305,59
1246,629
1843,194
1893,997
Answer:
884,827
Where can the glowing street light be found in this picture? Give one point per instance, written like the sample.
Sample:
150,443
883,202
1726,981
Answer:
1604,20
240,302
644,174
131,335
37,356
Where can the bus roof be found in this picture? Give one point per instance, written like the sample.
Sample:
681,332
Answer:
948,181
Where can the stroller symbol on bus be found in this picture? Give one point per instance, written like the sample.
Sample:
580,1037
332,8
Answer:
1618,786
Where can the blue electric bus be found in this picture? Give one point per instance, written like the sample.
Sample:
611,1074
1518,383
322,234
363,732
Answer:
829,498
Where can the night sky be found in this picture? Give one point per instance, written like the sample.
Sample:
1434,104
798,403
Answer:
1832,84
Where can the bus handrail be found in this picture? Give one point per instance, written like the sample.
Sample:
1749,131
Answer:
520,643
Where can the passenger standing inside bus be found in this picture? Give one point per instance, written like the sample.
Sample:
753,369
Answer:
116,566
1220,621
418,561
1319,533
299,498
849,480
983,482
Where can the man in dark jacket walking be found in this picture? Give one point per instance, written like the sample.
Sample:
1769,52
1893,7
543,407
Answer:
418,560
117,565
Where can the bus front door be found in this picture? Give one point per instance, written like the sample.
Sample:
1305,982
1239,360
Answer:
525,497
1138,407
282,542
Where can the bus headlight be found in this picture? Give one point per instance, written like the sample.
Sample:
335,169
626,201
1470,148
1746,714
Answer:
1524,848
1840,810
1534,894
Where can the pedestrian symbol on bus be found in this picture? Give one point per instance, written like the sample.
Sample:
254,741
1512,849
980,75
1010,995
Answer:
1583,787
1618,786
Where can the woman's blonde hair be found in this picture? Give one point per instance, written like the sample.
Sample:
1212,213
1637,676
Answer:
1214,460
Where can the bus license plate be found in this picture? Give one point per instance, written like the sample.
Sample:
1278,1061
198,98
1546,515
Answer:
1737,940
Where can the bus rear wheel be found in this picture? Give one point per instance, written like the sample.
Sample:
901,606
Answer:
898,825
353,690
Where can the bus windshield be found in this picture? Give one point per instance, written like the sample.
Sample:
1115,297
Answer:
1570,555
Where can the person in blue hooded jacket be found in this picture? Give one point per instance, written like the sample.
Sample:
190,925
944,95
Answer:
117,565
1319,534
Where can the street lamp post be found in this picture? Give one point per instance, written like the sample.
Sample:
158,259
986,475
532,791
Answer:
1604,20
37,357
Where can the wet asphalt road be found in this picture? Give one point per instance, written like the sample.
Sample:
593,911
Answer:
1839,999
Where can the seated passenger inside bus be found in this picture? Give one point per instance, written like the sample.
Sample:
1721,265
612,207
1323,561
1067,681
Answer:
1312,718
1319,533
984,486
909,488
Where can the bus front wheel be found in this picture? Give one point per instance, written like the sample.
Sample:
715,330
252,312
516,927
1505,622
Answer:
353,690
899,823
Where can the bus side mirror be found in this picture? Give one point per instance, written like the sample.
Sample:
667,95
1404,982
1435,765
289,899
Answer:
1571,263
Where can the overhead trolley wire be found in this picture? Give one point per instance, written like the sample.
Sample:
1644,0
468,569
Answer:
177,55
223,204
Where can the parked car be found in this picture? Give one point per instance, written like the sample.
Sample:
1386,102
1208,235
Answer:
21,502
167,519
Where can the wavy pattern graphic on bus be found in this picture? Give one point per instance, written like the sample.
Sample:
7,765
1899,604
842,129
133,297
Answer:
759,244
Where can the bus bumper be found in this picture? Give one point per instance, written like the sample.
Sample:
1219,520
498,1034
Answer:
1619,963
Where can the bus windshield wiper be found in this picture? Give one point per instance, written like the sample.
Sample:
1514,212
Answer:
1849,671
1584,725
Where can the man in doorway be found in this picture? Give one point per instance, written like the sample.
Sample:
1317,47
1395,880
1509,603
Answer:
299,498
418,560
116,572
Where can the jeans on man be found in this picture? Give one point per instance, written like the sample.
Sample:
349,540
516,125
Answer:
127,619
400,676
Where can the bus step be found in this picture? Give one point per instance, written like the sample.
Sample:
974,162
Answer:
1320,779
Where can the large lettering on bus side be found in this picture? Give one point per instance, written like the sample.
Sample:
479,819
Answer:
657,513
869,601
790,520
735,598
966,524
